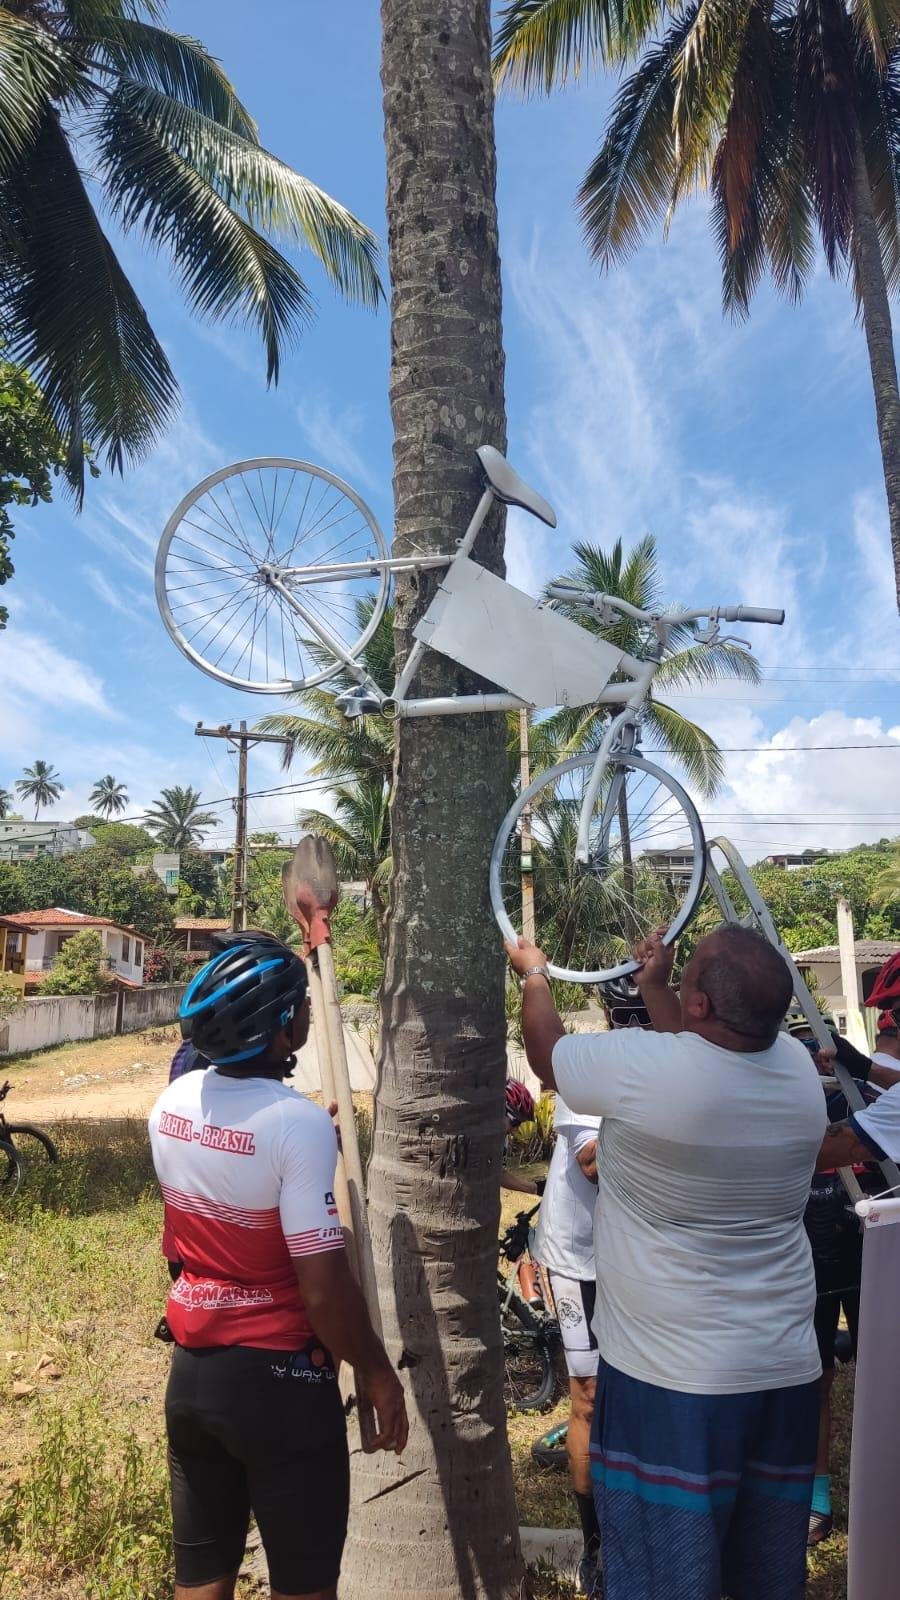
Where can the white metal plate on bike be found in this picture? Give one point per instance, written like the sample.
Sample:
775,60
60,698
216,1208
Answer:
505,636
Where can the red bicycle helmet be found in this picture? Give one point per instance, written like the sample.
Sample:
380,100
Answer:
886,988
887,1022
519,1102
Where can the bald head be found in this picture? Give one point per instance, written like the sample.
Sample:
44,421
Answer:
736,982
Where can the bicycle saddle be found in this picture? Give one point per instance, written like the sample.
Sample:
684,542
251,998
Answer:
510,488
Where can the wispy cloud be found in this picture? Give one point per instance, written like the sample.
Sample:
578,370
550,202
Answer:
332,433
33,669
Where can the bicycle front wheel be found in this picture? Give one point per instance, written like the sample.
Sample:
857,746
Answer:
12,1169
220,549
529,1353
27,1130
645,866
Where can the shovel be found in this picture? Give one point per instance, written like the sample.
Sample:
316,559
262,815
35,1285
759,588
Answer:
310,888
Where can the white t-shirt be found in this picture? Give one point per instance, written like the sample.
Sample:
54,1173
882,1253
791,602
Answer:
881,1121
564,1241
246,1167
705,1280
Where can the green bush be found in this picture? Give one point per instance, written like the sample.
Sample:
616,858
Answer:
357,959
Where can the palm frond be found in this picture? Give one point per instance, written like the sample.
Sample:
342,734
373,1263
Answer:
176,65
270,194
877,101
34,69
740,171
104,376
694,749
704,73
629,183
708,663
826,119
788,220
876,22
539,44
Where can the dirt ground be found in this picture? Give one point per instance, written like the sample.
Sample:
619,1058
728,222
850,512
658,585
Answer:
91,1078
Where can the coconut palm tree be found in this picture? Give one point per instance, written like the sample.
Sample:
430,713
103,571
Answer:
886,888
176,819
99,87
41,784
6,801
433,1200
634,576
789,114
108,796
343,747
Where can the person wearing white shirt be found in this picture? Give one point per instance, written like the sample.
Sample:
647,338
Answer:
706,1419
564,1244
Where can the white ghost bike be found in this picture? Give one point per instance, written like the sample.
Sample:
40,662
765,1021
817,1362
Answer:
272,576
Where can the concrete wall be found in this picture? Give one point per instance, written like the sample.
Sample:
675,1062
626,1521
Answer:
57,1019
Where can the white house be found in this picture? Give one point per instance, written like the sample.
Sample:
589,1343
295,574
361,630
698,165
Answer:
22,841
30,941
823,965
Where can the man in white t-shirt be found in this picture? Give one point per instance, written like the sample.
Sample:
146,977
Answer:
564,1244
704,1438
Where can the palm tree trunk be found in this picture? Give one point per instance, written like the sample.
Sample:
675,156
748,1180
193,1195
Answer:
871,287
443,1523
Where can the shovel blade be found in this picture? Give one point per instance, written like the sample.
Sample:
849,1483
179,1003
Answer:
309,883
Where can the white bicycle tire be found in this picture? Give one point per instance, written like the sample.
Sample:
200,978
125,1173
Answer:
548,779
270,685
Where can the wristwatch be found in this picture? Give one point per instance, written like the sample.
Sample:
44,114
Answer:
533,972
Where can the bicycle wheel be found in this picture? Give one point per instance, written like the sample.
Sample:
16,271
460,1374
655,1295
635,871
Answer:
217,555
550,1449
645,868
529,1353
18,1130
12,1169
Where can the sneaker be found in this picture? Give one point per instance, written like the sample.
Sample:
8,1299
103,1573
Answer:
821,1526
587,1580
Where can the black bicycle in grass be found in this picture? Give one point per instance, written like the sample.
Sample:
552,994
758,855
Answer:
531,1337
13,1162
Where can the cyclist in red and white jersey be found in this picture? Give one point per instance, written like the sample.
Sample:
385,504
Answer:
264,1304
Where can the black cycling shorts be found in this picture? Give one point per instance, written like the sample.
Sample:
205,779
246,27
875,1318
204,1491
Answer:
261,1432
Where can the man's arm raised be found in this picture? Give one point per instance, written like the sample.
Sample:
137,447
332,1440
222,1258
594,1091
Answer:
652,979
541,1025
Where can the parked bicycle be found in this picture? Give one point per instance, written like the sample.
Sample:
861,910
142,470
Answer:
272,576
531,1337
12,1161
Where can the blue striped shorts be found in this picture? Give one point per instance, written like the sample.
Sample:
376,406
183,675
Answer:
702,1496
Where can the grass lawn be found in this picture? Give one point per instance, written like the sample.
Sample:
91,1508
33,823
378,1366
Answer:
83,1500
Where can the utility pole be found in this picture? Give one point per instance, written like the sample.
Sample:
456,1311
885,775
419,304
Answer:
528,929
242,742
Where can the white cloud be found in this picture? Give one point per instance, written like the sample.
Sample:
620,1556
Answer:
331,433
127,601
33,669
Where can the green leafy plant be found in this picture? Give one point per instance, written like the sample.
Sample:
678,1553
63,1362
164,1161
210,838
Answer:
10,996
82,967
30,453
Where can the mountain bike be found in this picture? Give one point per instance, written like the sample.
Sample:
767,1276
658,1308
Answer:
12,1161
531,1337
272,576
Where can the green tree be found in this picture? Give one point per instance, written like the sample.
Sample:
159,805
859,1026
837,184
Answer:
103,883
12,889
108,796
30,450
198,874
265,901
11,996
177,160
789,114
41,784
358,958
6,801
176,819
82,966
634,576
124,838
886,889
46,882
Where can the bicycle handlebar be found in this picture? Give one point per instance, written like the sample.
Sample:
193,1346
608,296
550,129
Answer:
750,614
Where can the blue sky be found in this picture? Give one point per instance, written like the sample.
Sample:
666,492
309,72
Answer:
749,451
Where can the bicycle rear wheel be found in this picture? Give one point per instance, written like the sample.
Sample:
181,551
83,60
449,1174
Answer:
230,535
27,1130
529,1352
12,1169
645,868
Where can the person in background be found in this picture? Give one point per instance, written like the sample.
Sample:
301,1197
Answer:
704,1436
887,1041
265,1305
519,1109
835,1235
564,1245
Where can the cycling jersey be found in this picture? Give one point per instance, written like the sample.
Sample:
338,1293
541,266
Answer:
246,1167
565,1233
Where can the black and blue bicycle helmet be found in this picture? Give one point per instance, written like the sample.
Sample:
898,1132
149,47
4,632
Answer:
242,997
